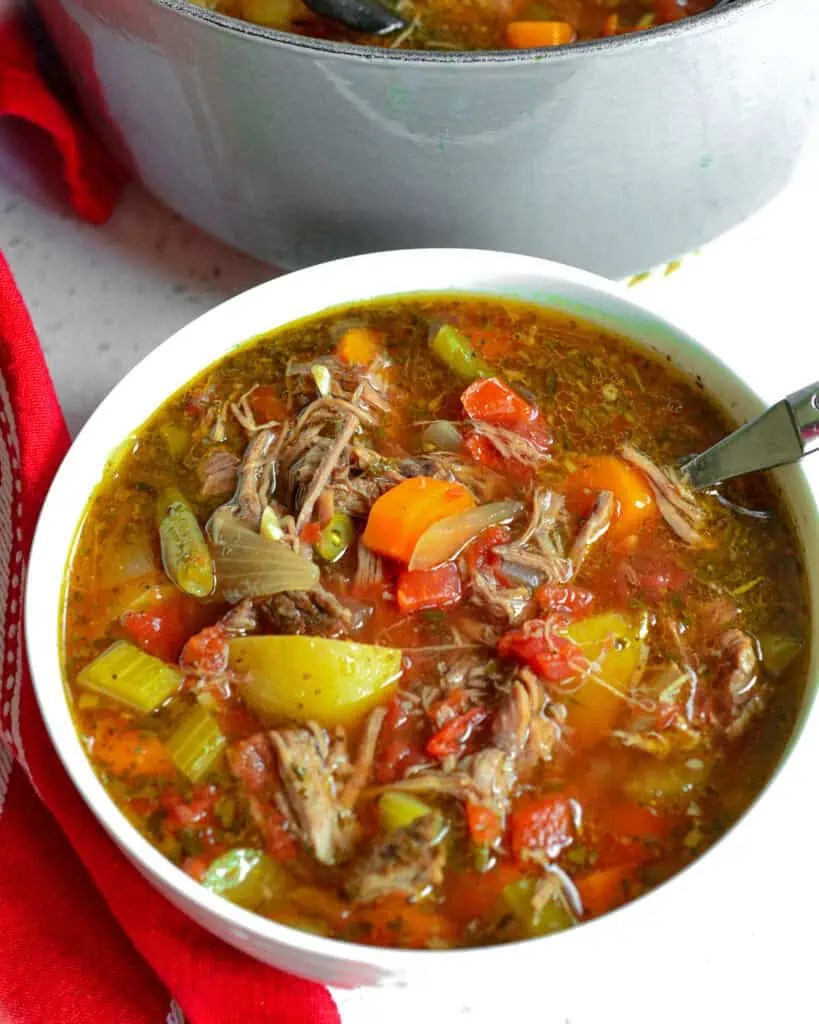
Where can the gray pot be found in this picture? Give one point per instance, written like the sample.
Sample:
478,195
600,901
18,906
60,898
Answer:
613,156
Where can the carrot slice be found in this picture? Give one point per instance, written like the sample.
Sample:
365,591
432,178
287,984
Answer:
635,504
528,35
131,752
401,515
359,346
602,891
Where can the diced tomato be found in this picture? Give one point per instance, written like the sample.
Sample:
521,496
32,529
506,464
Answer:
479,552
399,744
196,867
195,811
482,451
493,401
421,589
279,842
566,600
483,824
206,651
266,404
162,622
310,533
196,403
546,825
658,576
553,657
470,895
452,737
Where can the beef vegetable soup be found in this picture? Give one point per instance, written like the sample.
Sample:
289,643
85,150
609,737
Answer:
476,24
400,626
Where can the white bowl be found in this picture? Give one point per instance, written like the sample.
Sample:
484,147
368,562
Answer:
617,939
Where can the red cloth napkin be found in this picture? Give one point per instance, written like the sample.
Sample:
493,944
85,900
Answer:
84,936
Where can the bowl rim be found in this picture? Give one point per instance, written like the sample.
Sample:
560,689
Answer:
40,578
724,13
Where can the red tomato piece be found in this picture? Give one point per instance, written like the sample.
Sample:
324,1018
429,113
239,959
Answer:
420,589
483,824
546,825
452,737
206,651
552,656
479,553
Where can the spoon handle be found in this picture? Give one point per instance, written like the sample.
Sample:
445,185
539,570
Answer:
785,433
804,407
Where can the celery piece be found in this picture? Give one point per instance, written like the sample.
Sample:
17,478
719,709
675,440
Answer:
195,744
399,809
336,537
553,917
129,675
185,554
457,352
245,877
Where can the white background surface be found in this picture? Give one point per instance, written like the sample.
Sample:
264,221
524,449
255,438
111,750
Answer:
103,297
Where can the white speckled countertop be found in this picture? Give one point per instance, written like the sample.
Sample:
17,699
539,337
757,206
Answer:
101,298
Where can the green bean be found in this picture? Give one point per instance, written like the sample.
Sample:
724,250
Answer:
457,352
185,554
336,537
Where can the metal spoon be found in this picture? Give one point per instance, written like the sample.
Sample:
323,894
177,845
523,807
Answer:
360,15
785,433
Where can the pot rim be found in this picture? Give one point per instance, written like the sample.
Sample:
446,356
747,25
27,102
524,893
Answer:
696,24
43,653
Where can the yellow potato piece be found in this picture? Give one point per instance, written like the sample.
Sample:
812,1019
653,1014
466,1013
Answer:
613,642
313,679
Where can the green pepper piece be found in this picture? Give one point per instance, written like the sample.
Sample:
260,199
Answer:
336,537
457,352
185,554
398,809
245,877
553,917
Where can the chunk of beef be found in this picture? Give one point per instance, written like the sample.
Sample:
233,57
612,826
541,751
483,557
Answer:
409,861
593,529
307,767
241,619
256,478
310,613
217,473
674,498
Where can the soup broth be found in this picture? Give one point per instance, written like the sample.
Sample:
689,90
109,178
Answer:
399,625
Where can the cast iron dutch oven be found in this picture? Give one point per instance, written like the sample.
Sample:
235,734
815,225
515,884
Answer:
612,155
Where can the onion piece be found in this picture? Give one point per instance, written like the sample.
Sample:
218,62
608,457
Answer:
249,565
446,538
443,435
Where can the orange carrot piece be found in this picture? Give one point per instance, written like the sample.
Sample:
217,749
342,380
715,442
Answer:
602,891
359,346
401,515
130,753
528,35
635,504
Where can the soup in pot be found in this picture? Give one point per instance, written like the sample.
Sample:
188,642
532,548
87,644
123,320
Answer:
400,625
476,24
